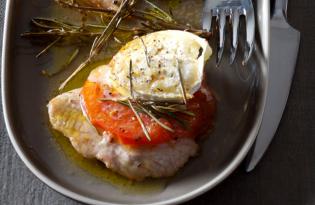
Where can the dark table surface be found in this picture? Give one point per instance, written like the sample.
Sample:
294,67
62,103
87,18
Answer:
286,175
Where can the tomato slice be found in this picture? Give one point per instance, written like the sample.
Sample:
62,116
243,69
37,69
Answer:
121,122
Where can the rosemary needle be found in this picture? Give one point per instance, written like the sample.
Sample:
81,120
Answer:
73,56
145,52
48,47
181,83
130,79
145,131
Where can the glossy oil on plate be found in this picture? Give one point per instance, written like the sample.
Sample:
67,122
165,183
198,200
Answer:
240,93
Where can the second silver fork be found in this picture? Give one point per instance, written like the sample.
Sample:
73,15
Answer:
233,9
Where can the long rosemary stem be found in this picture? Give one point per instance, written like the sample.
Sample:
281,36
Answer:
100,41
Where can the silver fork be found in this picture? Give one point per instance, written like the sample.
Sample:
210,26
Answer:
221,9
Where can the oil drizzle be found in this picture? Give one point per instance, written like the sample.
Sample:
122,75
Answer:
98,169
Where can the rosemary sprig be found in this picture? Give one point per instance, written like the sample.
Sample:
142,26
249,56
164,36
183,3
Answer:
153,19
157,109
100,41
60,33
139,107
145,131
87,32
56,27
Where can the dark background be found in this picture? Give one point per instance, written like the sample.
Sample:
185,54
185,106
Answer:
286,174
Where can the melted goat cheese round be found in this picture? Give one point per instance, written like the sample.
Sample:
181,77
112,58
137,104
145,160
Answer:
156,63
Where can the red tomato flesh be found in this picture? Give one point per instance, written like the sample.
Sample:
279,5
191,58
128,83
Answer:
121,122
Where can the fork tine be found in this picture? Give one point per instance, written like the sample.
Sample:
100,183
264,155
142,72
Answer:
234,9
250,33
220,48
235,18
